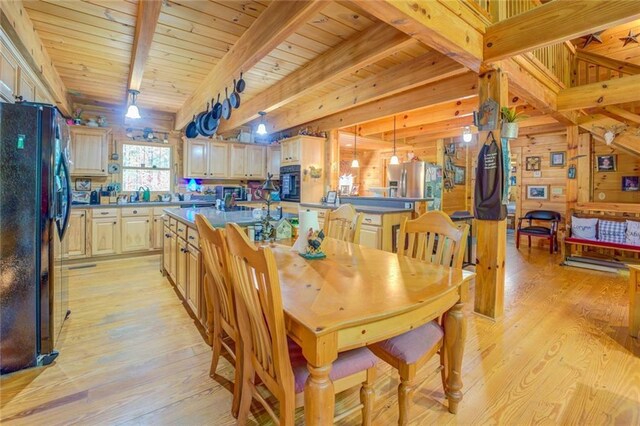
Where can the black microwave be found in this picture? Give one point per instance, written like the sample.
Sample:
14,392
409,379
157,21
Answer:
238,191
290,183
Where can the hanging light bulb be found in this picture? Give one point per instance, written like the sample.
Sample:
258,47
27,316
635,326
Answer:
355,164
262,129
466,134
133,111
394,158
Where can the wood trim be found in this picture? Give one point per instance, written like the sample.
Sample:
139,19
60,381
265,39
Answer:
554,22
278,21
603,93
609,207
433,24
375,43
146,21
603,61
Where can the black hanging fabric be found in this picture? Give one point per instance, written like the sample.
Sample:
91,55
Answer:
489,183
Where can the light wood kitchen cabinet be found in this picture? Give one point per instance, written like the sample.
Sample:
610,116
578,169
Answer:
173,256
370,236
218,160
136,233
76,237
157,233
8,74
27,87
255,161
104,236
273,161
166,249
193,278
181,267
290,153
236,161
89,150
196,158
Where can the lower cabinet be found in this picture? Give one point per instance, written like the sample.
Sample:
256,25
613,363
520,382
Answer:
76,236
104,236
371,236
166,250
173,256
157,233
193,279
181,268
135,233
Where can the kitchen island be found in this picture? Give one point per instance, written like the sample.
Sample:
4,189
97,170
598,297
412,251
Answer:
219,218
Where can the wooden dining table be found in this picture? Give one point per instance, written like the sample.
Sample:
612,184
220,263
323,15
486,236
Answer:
357,296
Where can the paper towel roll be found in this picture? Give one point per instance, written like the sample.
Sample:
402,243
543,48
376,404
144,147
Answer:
307,220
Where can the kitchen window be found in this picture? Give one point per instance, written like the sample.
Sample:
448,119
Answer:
147,166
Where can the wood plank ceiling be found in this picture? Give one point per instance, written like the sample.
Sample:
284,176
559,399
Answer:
612,47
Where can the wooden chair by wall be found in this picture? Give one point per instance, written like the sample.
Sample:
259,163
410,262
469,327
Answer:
435,239
219,300
267,352
343,223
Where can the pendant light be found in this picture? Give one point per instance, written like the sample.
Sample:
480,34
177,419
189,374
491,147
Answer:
262,129
394,158
466,134
133,111
355,164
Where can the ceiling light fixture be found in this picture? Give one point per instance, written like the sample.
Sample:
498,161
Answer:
466,134
355,164
262,129
133,111
394,158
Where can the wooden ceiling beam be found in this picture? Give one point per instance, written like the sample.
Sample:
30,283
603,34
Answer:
277,22
621,114
433,24
425,116
460,87
554,22
440,127
628,139
146,22
600,94
603,61
16,23
425,69
366,47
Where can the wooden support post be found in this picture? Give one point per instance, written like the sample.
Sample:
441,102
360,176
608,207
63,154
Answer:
333,159
584,169
492,234
572,157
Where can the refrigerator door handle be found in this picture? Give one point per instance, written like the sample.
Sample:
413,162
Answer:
403,179
62,230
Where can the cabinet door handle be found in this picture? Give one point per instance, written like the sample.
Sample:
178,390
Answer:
103,170
367,220
167,235
82,215
147,220
191,237
180,230
115,223
104,212
135,212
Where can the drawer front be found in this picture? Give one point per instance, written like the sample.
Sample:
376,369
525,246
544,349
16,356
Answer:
372,219
135,211
159,211
321,212
181,230
192,237
98,213
173,224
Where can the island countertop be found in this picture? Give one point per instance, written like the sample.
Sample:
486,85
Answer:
218,218
359,208
144,204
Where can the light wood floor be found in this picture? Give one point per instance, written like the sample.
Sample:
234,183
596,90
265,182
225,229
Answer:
130,354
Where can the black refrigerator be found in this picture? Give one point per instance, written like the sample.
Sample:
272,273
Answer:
35,201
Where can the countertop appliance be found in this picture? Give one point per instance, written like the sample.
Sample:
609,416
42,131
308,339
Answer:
290,183
35,204
238,191
417,179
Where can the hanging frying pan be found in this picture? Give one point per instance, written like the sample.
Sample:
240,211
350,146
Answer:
208,120
191,132
226,106
217,109
235,96
241,84
200,120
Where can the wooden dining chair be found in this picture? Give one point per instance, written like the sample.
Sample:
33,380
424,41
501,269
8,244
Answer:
435,239
343,224
219,301
268,353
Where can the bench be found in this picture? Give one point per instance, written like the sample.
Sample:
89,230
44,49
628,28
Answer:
601,255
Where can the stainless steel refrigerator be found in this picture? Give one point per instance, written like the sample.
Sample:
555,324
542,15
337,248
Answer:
417,179
35,201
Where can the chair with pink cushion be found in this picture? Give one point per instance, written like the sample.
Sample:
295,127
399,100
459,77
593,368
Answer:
435,239
267,352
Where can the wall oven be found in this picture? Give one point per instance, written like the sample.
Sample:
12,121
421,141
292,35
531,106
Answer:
290,183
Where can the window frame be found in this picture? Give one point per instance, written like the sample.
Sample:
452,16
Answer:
152,144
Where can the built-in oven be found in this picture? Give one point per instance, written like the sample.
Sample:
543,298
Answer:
290,183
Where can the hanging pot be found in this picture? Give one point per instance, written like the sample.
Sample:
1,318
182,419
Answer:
226,106
235,97
509,130
208,121
217,109
191,132
241,84
200,120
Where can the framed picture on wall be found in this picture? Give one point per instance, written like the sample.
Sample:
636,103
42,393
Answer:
558,159
533,164
606,163
537,192
630,183
331,197
83,184
459,175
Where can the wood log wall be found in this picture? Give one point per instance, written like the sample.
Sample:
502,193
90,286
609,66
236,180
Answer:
606,187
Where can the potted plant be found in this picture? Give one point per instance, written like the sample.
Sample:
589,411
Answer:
510,120
77,116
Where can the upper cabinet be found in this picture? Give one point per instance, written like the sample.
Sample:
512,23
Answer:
89,150
302,150
222,160
27,88
218,160
8,74
273,161
290,153
247,161
17,80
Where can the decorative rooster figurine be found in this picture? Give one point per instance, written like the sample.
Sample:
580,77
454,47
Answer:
314,243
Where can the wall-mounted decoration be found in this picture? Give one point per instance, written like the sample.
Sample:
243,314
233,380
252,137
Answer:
630,183
557,190
606,163
487,117
537,192
558,159
331,197
83,184
571,174
630,38
114,168
510,118
450,149
459,175
537,174
533,163
594,37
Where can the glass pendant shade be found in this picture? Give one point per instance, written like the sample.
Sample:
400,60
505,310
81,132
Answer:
394,160
133,111
466,134
262,129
